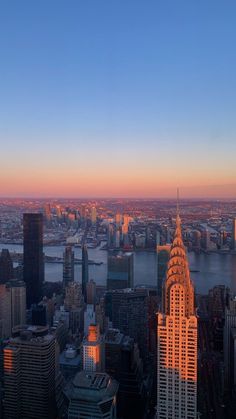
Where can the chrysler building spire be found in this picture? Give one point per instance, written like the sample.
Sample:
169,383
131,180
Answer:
178,272
177,338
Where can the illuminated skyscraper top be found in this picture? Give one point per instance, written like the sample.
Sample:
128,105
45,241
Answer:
178,273
177,338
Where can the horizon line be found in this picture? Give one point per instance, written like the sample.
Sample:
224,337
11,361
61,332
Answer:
118,197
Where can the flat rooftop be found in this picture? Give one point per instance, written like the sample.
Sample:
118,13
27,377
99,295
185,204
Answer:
92,387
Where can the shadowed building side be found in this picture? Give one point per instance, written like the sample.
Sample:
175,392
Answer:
33,257
163,254
85,271
6,266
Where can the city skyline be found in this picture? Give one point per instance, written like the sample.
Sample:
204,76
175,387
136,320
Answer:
118,100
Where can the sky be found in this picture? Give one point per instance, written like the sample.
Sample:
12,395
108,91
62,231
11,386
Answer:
117,98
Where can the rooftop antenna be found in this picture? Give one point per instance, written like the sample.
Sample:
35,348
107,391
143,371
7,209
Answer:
177,201
177,208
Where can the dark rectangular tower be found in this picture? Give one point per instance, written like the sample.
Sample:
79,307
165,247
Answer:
6,267
120,270
85,271
68,266
33,257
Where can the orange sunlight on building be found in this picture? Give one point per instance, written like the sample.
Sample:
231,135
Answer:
177,338
92,350
8,360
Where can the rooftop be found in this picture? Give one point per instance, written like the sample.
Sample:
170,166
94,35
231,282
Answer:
94,387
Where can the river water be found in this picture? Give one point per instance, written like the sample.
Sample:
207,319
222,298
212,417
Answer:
213,269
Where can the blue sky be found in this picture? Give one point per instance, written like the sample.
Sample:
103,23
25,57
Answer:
146,88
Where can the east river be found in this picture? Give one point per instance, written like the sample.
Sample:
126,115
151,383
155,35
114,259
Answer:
211,269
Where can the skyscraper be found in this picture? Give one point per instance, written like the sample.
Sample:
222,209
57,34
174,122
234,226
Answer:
89,317
233,240
111,236
30,372
123,362
33,257
177,339
93,215
120,271
73,296
92,350
91,292
17,292
205,239
12,306
230,323
68,266
47,212
128,310
118,219
5,312
6,266
83,212
85,272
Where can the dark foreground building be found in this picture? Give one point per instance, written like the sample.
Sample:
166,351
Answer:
92,395
85,271
31,374
128,311
33,257
6,267
123,362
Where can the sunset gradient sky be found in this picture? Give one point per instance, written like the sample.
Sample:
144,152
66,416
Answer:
118,98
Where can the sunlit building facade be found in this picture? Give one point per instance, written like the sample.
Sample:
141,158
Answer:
93,215
177,339
31,368
92,350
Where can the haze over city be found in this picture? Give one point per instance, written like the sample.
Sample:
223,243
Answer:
118,98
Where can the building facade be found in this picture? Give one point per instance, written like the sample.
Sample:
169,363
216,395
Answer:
33,257
233,239
68,266
30,373
92,396
120,271
12,306
230,323
6,266
85,271
177,339
92,350
128,310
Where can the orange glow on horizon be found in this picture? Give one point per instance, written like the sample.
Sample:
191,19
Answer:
112,182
